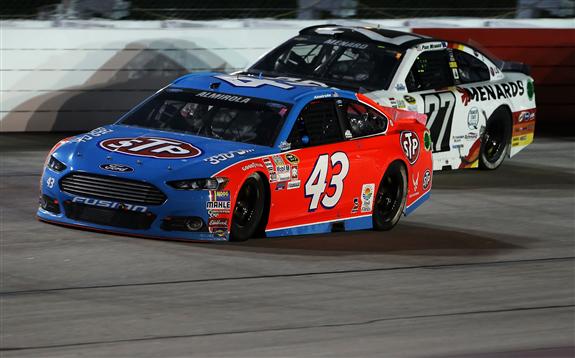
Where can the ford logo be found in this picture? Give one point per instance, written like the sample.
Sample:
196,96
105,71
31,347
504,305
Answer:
117,168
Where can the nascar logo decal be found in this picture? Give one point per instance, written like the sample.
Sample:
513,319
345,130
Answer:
410,145
161,148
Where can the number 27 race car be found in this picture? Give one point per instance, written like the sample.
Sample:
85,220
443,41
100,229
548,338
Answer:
479,110
227,157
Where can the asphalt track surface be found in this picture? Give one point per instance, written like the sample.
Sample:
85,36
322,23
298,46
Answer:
486,268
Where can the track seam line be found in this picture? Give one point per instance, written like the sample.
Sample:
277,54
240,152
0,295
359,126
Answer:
293,328
302,274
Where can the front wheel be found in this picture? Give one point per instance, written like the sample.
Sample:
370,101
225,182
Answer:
391,197
249,209
495,140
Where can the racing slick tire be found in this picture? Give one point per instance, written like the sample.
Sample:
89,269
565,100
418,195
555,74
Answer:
391,197
249,209
495,140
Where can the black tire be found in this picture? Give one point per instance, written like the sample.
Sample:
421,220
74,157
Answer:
391,197
496,140
249,209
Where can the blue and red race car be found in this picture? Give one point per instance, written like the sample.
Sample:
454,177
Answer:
222,157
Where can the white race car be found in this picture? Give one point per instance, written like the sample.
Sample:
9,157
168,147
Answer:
479,110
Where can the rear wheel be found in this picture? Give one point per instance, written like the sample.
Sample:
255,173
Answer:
249,209
496,140
391,197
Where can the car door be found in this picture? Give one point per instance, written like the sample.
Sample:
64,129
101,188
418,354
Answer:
319,165
363,126
470,72
438,79
430,78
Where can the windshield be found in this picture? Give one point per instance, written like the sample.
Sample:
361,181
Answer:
345,63
210,114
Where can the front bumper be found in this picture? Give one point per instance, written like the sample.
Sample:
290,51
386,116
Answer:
162,221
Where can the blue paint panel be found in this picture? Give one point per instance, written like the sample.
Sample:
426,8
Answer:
360,223
417,203
363,223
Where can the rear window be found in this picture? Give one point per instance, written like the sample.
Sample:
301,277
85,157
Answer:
344,63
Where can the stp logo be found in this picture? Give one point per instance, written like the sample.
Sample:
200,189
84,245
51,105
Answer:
410,145
161,148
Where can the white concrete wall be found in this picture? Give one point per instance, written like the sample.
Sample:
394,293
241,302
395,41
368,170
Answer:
79,75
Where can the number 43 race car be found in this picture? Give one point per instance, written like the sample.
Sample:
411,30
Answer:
227,157
479,110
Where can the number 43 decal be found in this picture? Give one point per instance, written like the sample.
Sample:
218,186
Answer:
315,186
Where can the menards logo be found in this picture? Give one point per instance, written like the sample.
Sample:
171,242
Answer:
489,92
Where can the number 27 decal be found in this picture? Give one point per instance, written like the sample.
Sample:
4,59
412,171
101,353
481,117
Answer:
316,184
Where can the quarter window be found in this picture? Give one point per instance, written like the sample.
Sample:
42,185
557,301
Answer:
470,69
361,120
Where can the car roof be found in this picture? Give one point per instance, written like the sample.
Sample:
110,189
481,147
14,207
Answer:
391,38
281,89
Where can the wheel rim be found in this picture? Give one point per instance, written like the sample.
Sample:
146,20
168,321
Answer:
494,141
246,204
389,197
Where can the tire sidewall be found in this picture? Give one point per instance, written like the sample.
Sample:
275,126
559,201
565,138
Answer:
500,114
242,233
382,223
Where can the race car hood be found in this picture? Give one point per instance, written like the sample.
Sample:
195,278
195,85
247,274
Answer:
145,154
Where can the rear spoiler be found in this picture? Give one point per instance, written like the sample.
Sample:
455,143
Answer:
508,66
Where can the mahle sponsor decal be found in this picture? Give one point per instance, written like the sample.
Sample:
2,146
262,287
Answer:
218,205
161,148
220,201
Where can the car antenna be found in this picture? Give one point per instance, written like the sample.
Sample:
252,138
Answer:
260,75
